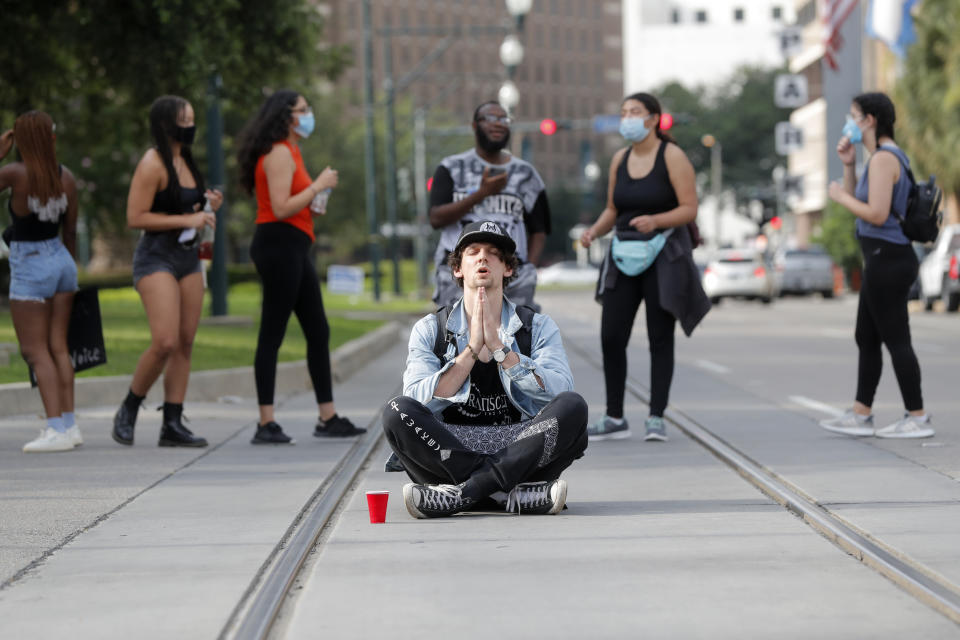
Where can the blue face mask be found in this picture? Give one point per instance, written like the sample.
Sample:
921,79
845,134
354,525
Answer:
305,128
851,131
632,129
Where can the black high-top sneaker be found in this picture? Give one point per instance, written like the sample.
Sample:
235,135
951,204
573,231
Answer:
538,498
435,500
173,433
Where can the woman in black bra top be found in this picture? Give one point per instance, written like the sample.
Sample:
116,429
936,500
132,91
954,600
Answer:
166,202
43,274
651,190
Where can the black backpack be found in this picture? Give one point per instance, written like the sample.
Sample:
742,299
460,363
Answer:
524,334
923,215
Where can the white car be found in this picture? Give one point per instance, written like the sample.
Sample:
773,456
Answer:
739,273
940,270
567,272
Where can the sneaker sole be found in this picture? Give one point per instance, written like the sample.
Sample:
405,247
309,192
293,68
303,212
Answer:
47,450
852,431
904,436
616,435
408,502
561,500
655,437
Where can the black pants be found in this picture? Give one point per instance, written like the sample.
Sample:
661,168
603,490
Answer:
882,319
536,450
289,280
620,306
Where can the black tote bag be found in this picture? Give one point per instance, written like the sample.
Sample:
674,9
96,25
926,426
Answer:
85,333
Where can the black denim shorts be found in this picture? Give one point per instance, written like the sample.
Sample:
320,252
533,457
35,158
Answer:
161,252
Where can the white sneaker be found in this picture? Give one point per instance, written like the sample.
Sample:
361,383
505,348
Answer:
908,427
850,423
75,437
50,440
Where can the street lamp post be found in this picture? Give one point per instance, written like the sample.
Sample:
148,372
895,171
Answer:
371,174
716,180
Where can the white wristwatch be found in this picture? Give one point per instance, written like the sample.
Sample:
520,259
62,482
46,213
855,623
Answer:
500,355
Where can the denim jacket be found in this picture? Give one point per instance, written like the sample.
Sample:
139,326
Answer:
547,359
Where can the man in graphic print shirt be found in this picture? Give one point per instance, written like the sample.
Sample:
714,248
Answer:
488,183
485,425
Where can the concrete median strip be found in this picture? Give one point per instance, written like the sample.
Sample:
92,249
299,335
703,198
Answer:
206,386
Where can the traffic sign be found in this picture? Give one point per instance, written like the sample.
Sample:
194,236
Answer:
787,138
793,185
791,41
790,90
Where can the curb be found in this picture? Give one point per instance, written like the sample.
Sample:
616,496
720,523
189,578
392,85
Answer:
207,386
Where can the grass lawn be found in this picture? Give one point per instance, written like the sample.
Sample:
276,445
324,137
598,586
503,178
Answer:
127,335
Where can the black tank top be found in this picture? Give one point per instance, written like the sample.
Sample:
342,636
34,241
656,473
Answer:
650,194
163,201
30,228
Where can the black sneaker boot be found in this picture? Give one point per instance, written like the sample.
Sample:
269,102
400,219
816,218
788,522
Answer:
173,433
435,500
336,427
126,418
270,433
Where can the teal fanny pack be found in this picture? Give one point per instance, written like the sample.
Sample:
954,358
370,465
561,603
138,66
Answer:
633,257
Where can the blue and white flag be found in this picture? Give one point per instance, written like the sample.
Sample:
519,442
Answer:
892,22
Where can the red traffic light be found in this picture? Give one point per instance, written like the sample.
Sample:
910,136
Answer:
666,121
776,222
548,126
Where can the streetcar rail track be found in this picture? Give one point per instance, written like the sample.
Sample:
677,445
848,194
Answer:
921,582
255,615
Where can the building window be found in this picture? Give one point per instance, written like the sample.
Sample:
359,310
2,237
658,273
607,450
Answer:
777,13
738,14
675,16
701,16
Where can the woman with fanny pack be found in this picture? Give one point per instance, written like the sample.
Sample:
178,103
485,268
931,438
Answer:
43,274
166,202
651,199
890,267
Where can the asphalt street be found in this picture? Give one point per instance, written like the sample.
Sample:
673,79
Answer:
660,540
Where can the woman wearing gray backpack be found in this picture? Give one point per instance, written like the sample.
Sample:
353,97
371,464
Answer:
877,199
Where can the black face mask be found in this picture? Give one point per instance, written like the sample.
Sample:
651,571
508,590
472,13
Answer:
184,135
488,145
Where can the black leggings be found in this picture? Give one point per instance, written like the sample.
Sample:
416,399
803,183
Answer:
882,319
281,253
535,450
620,306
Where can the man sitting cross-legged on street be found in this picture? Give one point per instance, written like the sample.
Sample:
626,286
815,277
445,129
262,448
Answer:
486,422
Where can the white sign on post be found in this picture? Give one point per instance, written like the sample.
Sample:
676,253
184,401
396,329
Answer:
791,41
790,91
787,138
344,279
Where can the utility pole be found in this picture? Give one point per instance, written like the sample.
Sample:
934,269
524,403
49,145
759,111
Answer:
371,173
218,271
390,155
420,192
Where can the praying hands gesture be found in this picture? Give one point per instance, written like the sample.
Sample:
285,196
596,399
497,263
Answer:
484,325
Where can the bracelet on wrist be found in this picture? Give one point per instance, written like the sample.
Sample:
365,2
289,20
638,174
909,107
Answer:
472,352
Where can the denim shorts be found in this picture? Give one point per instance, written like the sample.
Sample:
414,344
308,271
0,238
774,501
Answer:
40,269
162,252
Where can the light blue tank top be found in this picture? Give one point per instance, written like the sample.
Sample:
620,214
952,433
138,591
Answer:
890,230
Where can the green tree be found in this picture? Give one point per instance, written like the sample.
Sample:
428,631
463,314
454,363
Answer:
838,236
97,65
928,94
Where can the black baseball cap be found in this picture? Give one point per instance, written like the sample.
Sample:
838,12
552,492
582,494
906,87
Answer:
487,231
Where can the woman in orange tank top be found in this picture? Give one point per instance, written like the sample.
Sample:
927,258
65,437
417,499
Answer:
272,168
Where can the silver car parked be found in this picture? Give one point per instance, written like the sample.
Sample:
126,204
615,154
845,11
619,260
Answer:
803,271
739,273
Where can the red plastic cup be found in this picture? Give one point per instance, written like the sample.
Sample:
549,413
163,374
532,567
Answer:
377,505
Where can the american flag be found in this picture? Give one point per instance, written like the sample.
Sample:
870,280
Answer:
834,12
